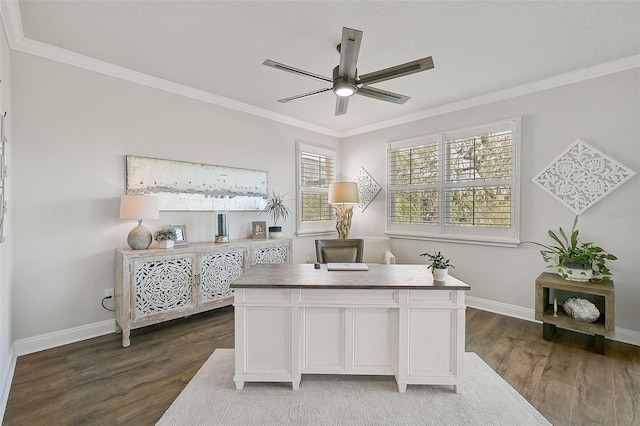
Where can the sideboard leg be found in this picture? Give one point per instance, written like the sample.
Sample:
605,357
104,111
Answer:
295,385
598,343
402,387
125,337
548,330
239,385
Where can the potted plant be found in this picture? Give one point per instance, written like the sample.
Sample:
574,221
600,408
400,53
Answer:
439,265
277,210
165,237
574,259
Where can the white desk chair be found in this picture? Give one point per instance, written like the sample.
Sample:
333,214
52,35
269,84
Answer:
378,250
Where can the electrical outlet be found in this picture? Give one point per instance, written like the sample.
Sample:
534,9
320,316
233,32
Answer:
108,292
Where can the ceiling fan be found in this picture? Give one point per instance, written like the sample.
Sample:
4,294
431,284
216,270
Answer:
346,82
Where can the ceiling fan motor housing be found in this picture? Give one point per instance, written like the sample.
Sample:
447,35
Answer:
342,86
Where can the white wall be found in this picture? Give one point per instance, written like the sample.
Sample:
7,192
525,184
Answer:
605,113
72,130
6,338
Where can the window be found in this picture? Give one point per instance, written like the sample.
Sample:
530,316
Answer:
459,185
316,170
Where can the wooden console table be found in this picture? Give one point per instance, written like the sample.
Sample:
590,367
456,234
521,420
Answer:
156,285
601,294
390,320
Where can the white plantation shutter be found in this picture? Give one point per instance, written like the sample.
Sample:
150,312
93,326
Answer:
316,170
459,185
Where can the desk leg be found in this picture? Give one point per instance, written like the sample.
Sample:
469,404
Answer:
548,330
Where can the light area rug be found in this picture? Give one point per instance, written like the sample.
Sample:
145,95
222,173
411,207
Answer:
211,398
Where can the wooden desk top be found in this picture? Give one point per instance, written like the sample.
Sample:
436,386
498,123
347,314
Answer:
386,277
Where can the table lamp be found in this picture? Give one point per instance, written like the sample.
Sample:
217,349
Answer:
139,207
346,195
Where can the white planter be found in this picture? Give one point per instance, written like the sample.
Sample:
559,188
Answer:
576,274
440,274
166,244
275,231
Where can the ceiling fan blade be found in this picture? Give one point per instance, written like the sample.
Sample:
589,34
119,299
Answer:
304,95
349,50
283,67
382,95
419,65
342,102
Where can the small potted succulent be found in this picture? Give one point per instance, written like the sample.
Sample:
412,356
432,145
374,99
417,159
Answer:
439,265
165,237
574,259
277,210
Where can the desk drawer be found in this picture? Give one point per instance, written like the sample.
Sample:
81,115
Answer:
433,297
349,297
262,296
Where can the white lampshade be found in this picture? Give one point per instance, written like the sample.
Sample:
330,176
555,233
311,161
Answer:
139,207
343,193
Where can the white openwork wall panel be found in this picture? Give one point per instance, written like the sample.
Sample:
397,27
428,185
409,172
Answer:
218,271
581,176
276,254
368,188
163,285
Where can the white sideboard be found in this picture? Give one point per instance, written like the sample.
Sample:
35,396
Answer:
156,285
390,320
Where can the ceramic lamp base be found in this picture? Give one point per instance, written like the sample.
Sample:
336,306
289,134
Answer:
140,237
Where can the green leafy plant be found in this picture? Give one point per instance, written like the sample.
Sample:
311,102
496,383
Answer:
276,208
571,253
165,234
438,261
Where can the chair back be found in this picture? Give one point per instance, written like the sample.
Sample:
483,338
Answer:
339,250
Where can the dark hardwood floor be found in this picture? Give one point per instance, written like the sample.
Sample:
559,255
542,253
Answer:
99,382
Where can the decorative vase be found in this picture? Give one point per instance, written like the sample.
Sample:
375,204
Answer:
166,244
275,231
440,274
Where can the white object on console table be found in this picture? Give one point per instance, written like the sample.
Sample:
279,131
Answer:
390,320
157,285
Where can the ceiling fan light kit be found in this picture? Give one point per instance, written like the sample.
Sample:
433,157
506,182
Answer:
345,82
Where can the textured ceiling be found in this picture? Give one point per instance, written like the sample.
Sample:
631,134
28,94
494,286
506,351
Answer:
218,47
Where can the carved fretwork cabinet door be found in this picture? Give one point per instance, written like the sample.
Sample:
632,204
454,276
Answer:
217,271
162,286
275,253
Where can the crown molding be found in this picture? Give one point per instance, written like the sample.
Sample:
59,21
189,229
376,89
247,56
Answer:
595,71
12,21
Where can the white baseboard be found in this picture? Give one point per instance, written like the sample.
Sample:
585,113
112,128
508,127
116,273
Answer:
6,385
622,334
63,337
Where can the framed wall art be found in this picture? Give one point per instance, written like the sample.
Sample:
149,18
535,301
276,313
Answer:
184,186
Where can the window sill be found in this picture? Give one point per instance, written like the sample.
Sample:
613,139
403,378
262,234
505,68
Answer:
459,239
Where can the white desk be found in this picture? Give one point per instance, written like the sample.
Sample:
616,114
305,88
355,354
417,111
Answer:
390,320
